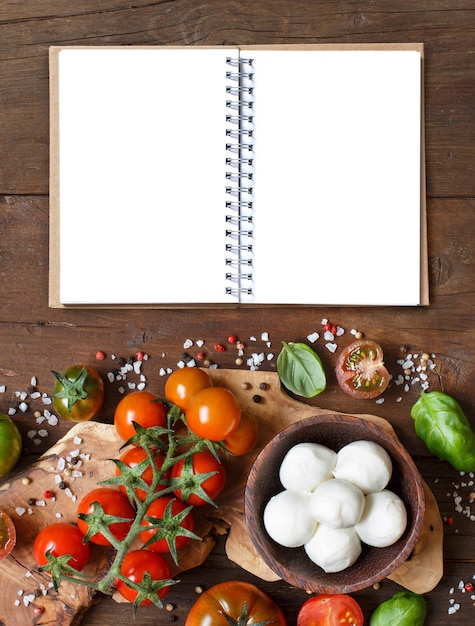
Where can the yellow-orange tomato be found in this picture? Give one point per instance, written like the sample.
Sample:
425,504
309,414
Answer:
183,384
244,438
213,413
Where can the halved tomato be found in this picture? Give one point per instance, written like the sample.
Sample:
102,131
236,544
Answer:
360,370
330,610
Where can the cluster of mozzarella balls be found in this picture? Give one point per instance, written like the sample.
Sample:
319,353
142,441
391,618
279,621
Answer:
334,501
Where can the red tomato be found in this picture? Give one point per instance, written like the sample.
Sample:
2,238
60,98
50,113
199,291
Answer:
157,509
330,610
78,393
113,502
61,539
360,370
244,438
133,457
232,599
195,491
213,413
184,383
7,534
134,566
142,407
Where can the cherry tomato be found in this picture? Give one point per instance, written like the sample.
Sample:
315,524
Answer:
157,509
330,610
78,394
141,407
133,457
184,383
10,444
360,370
227,603
113,502
189,468
134,566
244,438
213,413
60,539
7,534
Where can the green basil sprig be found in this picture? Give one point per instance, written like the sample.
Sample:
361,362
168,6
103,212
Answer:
441,423
300,370
403,609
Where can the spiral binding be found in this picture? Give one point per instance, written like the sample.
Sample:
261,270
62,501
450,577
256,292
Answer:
239,177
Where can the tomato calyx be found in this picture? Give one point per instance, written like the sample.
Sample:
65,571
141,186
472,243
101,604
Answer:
99,521
169,527
242,620
58,567
147,590
190,483
72,390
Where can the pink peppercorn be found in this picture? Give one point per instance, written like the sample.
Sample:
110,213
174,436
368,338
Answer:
219,347
232,339
200,356
328,326
48,494
100,356
468,587
140,356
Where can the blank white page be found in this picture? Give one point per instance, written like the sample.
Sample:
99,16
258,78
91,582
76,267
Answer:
142,175
337,177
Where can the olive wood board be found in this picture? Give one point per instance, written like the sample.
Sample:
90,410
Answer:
96,443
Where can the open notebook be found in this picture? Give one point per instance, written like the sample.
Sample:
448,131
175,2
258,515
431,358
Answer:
185,176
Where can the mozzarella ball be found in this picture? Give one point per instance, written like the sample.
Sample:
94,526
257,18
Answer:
366,464
384,519
333,549
337,503
288,520
306,465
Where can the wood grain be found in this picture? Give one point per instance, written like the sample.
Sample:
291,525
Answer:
35,340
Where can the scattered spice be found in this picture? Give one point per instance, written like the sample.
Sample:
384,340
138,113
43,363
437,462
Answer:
256,398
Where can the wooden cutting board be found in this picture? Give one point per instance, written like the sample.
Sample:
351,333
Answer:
25,590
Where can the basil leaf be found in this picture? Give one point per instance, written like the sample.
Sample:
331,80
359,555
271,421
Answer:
441,423
300,370
403,609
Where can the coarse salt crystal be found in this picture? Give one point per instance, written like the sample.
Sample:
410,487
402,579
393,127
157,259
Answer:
11,411
313,337
340,331
137,367
131,385
270,356
379,401
35,395
141,386
328,336
188,343
200,343
20,510
2,388
43,432
162,372
265,336
331,347
191,363
17,602
181,364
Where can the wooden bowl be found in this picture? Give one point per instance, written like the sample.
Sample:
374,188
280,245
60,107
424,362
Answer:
292,564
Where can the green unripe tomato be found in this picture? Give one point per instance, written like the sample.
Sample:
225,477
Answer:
10,444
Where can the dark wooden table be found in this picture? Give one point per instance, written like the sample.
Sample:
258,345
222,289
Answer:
35,339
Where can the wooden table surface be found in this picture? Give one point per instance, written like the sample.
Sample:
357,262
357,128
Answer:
35,339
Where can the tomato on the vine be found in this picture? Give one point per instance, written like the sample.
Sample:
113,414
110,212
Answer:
141,407
60,539
184,383
10,444
234,602
190,469
113,502
7,534
157,510
133,457
135,564
360,370
78,393
213,413
330,610
244,438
